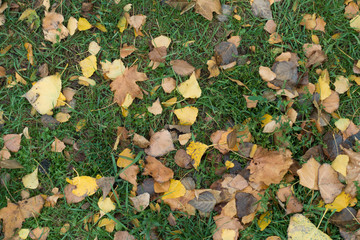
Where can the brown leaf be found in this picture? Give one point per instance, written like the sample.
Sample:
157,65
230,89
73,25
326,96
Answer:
331,103
270,26
168,84
225,53
137,22
182,159
245,204
122,133
15,214
155,108
53,28
105,183
292,203
123,235
140,141
235,40
127,50
10,164
158,54
320,24
205,202
12,142
226,223
286,74
160,144
207,7
39,233
261,8
4,154
308,174
2,71
353,171
130,174
141,201
213,68
329,184
269,166
161,187
182,67
351,10
126,84
275,38
69,196
52,200
171,219
157,170
57,145
69,93
250,103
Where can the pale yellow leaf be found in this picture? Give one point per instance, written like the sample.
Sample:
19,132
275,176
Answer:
31,180
340,164
88,66
190,88
94,48
342,124
186,115
106,205
72,25
62,117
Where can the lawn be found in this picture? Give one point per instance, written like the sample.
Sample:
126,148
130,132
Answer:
93,147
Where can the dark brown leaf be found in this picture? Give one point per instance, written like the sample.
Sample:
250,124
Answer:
245,204
225,53
204,203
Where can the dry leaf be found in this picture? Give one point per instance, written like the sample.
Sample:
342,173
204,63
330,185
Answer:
270,26
182,159
113,69
226,54
12,142
157,170
127,50
85,186
351,10
94,48
184,138
196,150
341,84
213,68
62,117
126,84
31,180
301,228
340,164
106,205
88,66
274,37
30,55
235,40
39,233
57,145
125,158
269,166
205,202
161,41
182,67
186,115
250,103
207,7
105,184
353,170
331,103
15,214
70,197
72,25
324,85
168,84
308,174
155,108
53,28
52,200
137,22
140,141
141,201
261,8
130,174
160,144
226,223
190,88
158,54
329,184
123,235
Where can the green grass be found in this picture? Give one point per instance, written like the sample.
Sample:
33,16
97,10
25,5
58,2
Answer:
221,102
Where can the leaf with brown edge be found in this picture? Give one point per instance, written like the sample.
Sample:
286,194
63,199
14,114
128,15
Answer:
207,7
157,170
353,171
269,166
127,50
182,67
69,196
329,184
126,84
140,141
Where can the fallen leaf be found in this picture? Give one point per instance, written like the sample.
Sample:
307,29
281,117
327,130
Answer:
184,138
70,197
352,172
83,24
39,233
225,53
126,84
85,186
141,201
155,108
113,69
342,201
331,103
109,224
274,37
158,54
53,28
125,158
130,174
15,214
157,170
250,103
52,200
264,220
105,184
94,48
31,180
168,84
65,228
186,115
235,40
161,41
342,124
106,205
270,26
207,7
140,141
320,24
225,223
324,85
72,25
176,190
269,166
57,145
88,66
24,233
62,117
308,174
213,68
127,50
301,228
261,8
205,202
30,54
161,187
351,10
171,219
137,22
160,144
182,67
12,142
341,84
196,150
44,93
190,88
123,235
329,184
182,159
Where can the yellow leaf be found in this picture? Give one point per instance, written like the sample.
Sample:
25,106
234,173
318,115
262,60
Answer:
186,115
196,150
341,201
101,27
122,24
301,228
169,102
229,164
62,117
61,100
324,85
315,39
80,124
128,101
24,233
108,223
86,81
228,234
106,205
176,190
265,119
31,180
342,124
30,55
122,160
85,185
264,220
72,25
340,163
88,66
44,94
190,88
355,23
94,48
113,69
83,24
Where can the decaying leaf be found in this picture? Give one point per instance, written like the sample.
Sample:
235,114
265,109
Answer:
12,142
155,108
207,7
39,233
225,53
57,145
329,184
224,223
342,84
157,170
176,190
353,171
182,67
141,201
301,228
127,50
182,159
15,214
53,28
205,202
308,174
160,144
130,174
168,84
123,235
261,8
270,26
137,21
70,197
105,184
140,141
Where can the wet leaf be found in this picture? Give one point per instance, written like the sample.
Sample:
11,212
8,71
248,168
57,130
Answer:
205,202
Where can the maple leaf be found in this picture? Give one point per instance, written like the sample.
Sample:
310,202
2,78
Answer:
126,84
